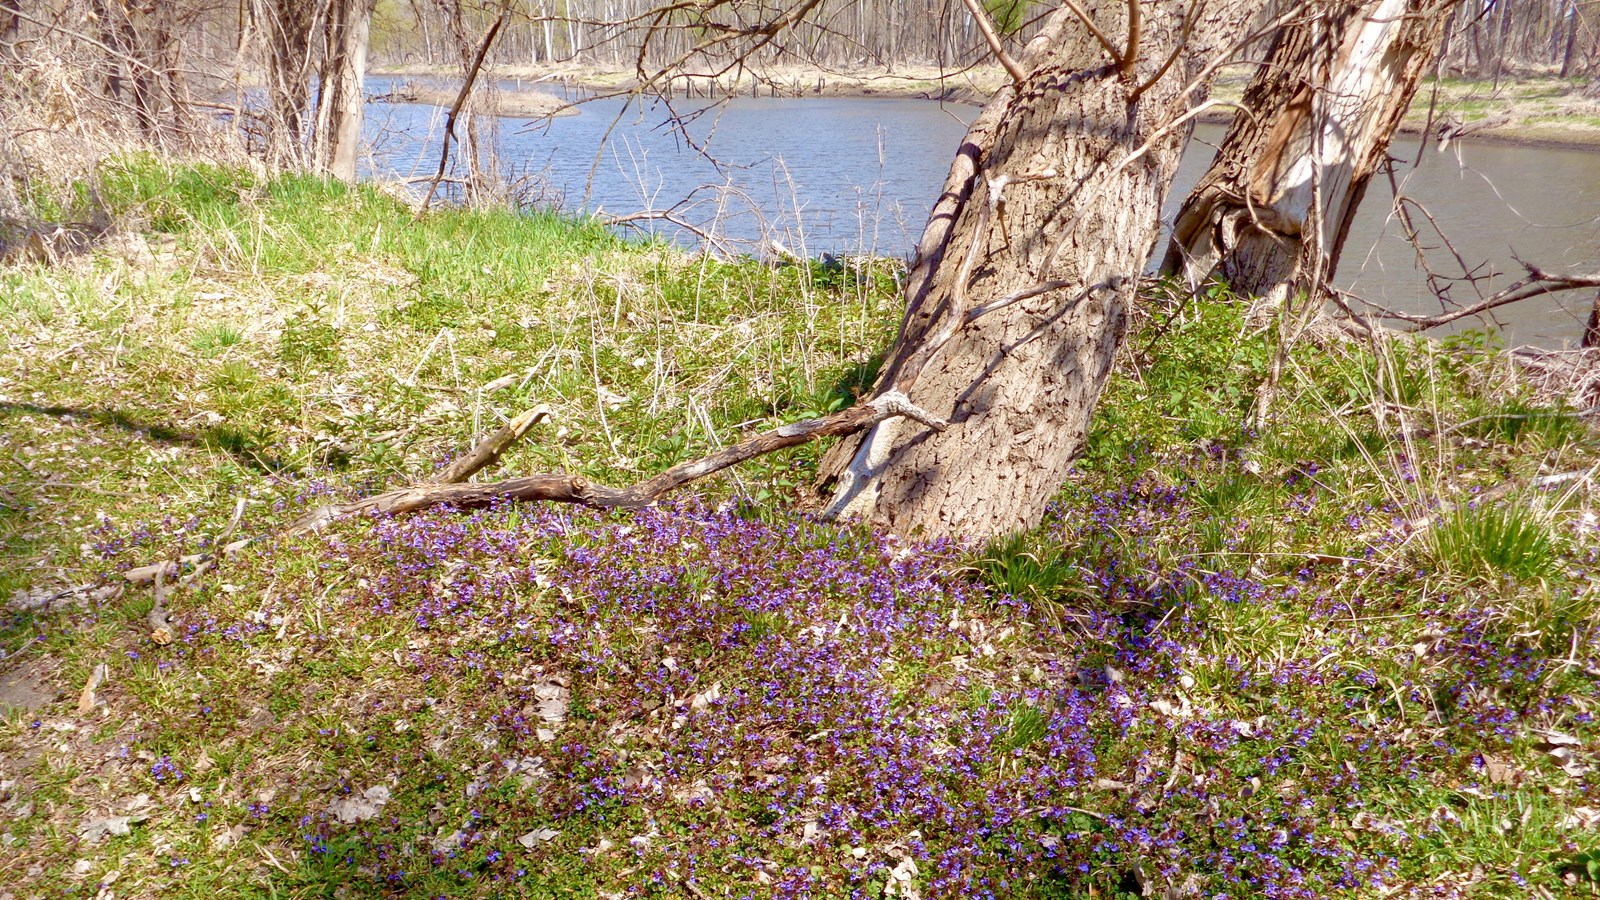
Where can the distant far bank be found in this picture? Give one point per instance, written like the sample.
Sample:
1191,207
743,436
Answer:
1534,111
973,85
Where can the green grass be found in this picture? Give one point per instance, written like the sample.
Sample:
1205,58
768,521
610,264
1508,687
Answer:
1304,640
1511,539
322,327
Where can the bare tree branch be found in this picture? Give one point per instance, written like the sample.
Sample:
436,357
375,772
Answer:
672,217
1130,56
1172,57
455,108
580,491
451,488
980,17
1537,283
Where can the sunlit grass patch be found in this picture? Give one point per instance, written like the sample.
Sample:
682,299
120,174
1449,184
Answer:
1518,420
1510,539
215,338
1026,566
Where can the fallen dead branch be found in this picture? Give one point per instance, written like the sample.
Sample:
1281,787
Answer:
580,491
483,455
672,217
1495,417
566,488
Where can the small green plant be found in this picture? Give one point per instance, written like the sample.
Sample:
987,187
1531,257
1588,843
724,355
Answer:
1550,617
1024,567
1585,865
1028,725
309,339
217,337
1513,539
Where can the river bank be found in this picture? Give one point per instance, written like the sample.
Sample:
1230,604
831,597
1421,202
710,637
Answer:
1532,111
914,82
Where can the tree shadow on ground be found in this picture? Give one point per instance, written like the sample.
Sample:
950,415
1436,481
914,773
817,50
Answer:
237,443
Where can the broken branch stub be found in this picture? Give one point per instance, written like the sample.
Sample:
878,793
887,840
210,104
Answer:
492,447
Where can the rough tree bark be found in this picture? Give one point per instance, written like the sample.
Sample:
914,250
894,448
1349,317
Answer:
343,92
1271,214
287,29
1016,304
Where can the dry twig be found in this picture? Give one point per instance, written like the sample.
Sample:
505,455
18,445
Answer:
455,108
1536,283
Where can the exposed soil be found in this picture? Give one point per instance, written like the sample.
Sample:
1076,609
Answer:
24,688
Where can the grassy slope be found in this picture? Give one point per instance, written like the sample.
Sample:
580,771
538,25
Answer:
1227,661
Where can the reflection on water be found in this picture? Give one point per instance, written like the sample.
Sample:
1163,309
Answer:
850,175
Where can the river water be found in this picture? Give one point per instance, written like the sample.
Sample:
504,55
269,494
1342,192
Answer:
858,175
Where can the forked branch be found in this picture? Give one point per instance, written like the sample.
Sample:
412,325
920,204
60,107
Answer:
580,491
492,447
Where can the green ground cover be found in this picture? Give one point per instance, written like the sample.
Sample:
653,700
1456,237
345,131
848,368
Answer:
1349,653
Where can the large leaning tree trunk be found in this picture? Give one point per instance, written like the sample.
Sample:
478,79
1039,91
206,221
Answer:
1271,214
1017,301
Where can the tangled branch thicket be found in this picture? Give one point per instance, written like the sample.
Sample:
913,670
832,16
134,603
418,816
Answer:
84,81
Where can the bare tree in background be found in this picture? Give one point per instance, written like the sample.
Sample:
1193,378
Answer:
1500,37
286,30
346,36
313,41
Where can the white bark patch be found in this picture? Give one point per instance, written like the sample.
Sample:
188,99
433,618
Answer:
858,488
1351,97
